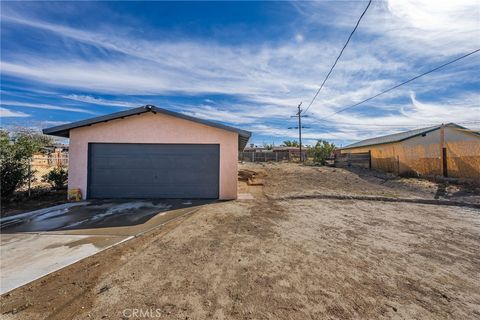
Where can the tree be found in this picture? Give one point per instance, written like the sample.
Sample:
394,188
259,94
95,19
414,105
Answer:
321,151
37,139
291,143
268,146
15,153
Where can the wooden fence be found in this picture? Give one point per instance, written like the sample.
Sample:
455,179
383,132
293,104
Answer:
49,161
264,156
361,160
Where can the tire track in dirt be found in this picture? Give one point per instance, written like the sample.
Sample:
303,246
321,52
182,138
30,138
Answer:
376,198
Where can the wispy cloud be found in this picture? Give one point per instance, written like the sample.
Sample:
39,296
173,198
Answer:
265,81
237,113
100,101
43,106
52,123
4,113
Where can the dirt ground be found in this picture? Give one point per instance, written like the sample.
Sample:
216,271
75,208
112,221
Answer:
281,259
285,179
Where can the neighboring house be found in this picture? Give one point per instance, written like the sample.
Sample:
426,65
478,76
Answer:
449,150
149,152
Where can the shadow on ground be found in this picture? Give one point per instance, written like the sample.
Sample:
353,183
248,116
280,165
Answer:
94,214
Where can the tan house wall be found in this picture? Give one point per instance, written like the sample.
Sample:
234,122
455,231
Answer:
153,128
422,155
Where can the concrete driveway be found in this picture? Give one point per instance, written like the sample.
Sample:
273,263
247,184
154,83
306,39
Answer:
34,244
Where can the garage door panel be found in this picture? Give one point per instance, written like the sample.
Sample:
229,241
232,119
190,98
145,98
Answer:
188,191
153,171
135,161
108,149
146,176
153,161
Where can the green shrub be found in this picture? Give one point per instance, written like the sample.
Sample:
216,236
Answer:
321,151
57,177
15,154
291,143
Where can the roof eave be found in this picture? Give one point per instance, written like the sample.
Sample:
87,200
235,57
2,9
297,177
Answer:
64,130
399,140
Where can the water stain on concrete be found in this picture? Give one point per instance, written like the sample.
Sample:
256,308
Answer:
76,232
94,214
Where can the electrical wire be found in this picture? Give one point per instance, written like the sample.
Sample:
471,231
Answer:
403,83
392,125
341,52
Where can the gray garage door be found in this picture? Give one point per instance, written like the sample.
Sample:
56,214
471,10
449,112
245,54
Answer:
119,170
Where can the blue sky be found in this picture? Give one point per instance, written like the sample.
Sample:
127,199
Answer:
246,64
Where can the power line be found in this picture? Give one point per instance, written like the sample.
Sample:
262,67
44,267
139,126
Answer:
401,84
392,125
341,52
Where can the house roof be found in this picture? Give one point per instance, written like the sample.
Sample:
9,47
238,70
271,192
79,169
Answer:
64,130
397,137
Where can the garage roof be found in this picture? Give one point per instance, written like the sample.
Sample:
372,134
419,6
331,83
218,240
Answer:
64,130
397,137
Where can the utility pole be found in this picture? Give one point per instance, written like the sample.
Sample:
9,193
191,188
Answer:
443,152
299,115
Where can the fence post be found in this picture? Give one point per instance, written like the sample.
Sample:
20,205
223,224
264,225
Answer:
253,156
370,159
444,162
29,177
59,161
398,165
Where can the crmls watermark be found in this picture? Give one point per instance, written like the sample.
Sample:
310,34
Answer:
142,313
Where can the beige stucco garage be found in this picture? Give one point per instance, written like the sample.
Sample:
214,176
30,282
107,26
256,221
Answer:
149,152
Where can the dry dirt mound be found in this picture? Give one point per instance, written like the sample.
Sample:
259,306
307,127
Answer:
293,179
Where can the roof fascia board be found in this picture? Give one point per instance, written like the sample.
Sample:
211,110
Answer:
63,130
